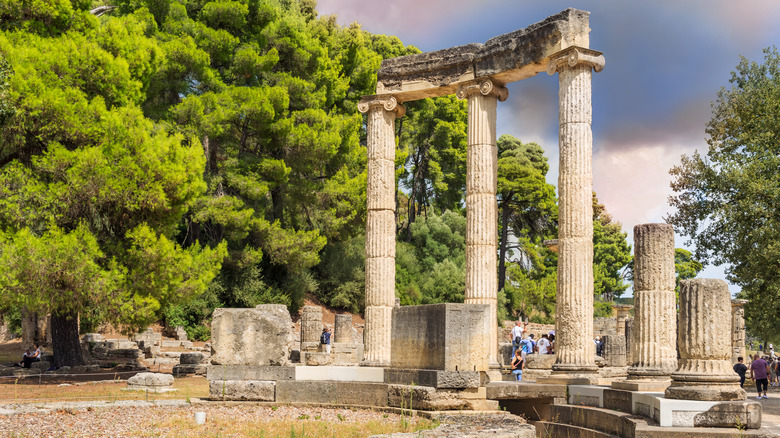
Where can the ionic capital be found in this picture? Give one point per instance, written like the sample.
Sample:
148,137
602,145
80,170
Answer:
573,56
485,86
389,103
736,303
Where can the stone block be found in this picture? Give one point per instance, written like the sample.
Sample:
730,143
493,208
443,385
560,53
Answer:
731,414
41,365
614,350
332,392
433,378
246,372
618,400
190,369
449,337
242,390
259,336
539,361
424,397
170,344
511,391
340,373
151,379
318,359
193,358
92,337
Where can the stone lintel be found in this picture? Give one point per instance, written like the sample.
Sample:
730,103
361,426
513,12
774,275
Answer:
433,378
506,58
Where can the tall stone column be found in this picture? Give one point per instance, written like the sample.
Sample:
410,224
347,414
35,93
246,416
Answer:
575,350
653,352
380,226
738,330
481,205
704,372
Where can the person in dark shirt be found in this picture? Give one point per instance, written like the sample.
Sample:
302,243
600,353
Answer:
740,369
759,371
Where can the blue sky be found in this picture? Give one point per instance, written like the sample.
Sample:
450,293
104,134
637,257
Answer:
665,62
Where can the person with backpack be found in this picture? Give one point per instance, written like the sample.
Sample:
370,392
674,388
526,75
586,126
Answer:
527,346
516,336
325,340
518,362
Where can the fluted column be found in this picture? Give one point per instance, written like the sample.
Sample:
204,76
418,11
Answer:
481,205
574,308
738,330
655,325
380,226
704,371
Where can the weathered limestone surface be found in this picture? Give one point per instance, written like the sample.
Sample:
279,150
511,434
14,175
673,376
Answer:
155,382
433,378
311,328
704,371
622,312
423,397
380,226
481,206
245,372
331,392
614,350
449,337
259,336
574,308
342,330
242,390
654,332
738,330
506,58
727,414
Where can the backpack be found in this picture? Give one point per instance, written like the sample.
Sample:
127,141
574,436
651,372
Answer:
323,338
524,344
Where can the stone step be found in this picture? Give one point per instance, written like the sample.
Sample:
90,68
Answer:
546,429
599,419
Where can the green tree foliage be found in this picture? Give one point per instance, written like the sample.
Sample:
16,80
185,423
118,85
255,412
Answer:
726,201
80,163
685,267
526,203
611,256
6,109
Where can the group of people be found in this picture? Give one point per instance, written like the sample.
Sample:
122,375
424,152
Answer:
763,370
33,354
522,346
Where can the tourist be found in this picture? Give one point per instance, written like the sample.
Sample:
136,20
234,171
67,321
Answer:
33,354
516,336
759,371
543,345
740,369
527,346
551,338
518,361
773,363
325,340
597,341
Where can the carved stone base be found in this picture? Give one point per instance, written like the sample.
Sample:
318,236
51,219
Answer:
710,391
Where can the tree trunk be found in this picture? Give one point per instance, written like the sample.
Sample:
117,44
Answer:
65,340
502,246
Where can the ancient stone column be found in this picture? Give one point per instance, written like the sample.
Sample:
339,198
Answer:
738,330
629,333
654,356
342,332
575,349
481,205
704,372
622,311
380,226
311,327
614,350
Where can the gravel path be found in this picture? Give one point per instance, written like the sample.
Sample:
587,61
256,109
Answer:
175,418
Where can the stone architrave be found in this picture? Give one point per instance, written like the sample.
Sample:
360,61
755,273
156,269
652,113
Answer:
704,372
380,226
481,206
653,354
311,328
622,312
575,350
738,330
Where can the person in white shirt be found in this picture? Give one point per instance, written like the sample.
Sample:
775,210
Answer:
515,336
543,345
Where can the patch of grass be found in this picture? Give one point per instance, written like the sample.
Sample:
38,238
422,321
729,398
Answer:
111,391
181,425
